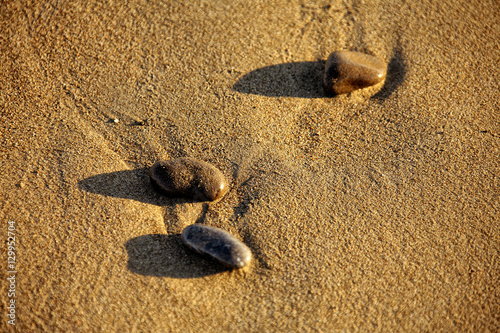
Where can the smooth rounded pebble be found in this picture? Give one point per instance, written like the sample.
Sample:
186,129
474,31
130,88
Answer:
218,244
188,177
346,71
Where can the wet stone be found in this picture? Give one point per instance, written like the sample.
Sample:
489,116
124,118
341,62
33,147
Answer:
346,71
217,244
188,177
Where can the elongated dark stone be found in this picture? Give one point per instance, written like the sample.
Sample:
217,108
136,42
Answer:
218,244
346,71
188,177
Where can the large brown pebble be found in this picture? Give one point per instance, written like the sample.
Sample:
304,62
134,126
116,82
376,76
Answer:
217,244
346,71
188,177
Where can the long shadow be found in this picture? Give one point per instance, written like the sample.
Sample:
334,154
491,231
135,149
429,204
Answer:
396,72
127,184
304,79
166,256
296,79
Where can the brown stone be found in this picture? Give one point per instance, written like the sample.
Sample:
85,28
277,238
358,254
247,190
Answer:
217,244
188,177
346,71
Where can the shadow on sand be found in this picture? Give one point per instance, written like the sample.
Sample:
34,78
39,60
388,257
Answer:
396,72
304,79
127,184
296,79
166,256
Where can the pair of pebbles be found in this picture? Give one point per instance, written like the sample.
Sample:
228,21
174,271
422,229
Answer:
345,71
201,181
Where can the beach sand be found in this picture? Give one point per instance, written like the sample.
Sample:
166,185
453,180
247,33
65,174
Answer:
373,211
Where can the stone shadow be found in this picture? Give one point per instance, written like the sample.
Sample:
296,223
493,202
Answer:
165,256
396,72
128,184
296,79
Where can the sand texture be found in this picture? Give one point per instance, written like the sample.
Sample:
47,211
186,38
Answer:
375,211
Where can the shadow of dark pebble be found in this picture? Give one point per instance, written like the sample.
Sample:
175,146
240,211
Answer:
166,256
296,79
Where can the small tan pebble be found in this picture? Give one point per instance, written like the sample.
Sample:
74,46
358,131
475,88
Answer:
188,177
217,244
346,71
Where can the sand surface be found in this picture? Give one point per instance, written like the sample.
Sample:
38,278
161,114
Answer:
373,211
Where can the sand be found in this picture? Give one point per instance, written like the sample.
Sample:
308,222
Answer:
374,211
